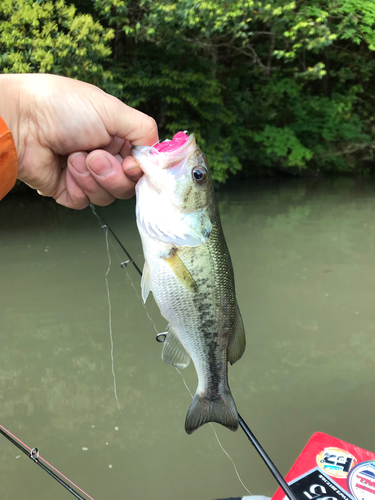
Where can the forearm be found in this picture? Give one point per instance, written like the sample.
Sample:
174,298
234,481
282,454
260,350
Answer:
10,106
8,124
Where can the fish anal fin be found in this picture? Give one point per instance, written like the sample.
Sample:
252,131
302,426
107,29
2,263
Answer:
204,409
179,269
237,343
146,282
174,353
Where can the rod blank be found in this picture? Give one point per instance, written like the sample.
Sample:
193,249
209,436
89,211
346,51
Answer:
266,459
272,468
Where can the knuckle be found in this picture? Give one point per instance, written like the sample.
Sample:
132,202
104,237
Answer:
104,202
150,125
78,200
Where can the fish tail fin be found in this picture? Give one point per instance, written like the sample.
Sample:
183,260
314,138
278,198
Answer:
203,409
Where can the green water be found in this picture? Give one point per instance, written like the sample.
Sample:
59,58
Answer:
304,259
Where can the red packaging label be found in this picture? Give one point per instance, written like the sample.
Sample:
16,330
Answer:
331,469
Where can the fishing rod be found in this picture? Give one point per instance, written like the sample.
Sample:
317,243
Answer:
253,440
266,459
36,458
104,226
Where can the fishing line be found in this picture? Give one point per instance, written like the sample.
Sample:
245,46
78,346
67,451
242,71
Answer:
230,458
106,229
110,319
101,220
124,265
143,304
266,459
217,437
33,453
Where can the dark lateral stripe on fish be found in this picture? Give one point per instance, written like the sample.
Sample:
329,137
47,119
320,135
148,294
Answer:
196,291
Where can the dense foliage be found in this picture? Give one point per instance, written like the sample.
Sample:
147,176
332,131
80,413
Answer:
264,84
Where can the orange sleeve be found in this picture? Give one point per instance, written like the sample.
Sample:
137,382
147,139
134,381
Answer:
8,160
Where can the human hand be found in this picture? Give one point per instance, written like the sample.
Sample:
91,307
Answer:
73,140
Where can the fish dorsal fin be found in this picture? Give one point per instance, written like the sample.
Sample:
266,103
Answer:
174,353
237,344
179,269
146,282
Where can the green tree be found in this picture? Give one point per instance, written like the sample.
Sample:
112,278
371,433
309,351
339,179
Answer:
51,37
264,84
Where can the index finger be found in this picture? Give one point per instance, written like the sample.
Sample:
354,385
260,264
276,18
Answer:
128,123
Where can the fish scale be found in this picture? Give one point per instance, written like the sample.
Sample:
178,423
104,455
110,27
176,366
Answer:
189,271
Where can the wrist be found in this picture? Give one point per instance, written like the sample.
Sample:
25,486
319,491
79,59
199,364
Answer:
11,110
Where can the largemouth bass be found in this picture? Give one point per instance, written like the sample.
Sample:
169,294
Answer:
189,271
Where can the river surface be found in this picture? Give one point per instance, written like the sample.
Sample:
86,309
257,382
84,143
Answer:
304,260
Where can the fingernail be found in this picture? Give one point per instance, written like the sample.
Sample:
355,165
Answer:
78,162
100,165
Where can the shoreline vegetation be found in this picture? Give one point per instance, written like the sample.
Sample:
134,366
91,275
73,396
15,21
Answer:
268,87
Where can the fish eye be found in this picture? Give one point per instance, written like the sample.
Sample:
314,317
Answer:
199,174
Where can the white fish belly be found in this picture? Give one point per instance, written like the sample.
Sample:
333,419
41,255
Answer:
194,316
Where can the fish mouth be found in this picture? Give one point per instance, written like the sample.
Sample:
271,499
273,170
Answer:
182,153
169,159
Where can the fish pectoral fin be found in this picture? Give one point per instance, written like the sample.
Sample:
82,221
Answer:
174,353
146,282
181,272
237,344
174,228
